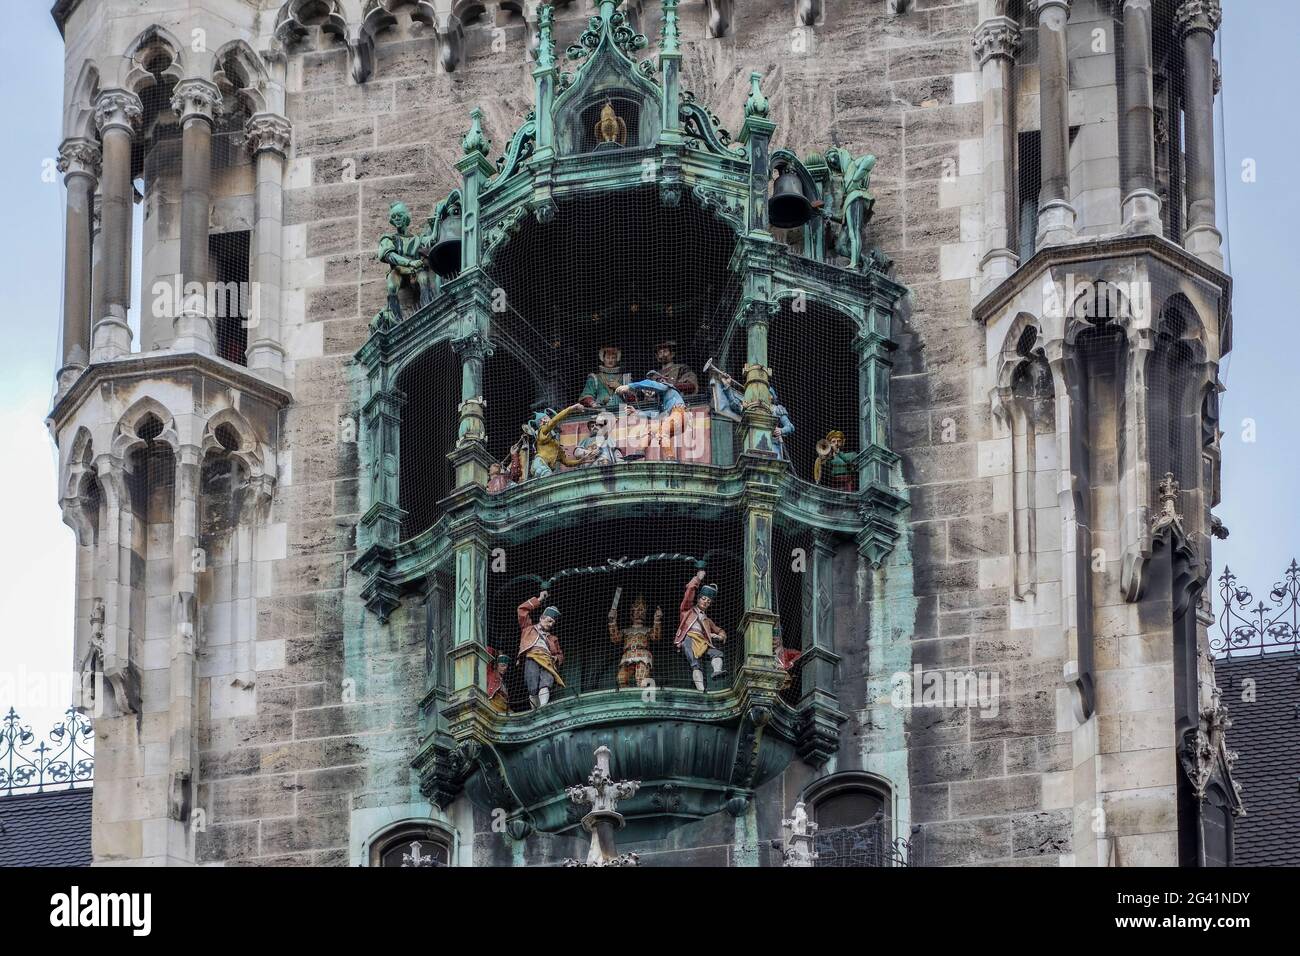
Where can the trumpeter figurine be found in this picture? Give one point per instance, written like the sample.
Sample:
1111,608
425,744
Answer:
834,466
697,635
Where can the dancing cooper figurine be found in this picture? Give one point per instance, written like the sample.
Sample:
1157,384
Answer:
696,632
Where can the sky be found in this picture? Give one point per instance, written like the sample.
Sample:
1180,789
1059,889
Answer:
1259,215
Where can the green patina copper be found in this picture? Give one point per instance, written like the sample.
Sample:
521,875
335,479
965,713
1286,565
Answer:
694,753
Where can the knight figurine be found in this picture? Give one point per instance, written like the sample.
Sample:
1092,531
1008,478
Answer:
697,635
404,254
540,651
855,203
637,661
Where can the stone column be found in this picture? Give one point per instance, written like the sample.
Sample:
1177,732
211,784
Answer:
184,638
268,140
1055,214
195,102
117,113
470,457
1197,22
1141,206
79,162
996,41
96,258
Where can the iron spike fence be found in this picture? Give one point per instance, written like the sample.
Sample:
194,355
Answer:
62,760
1243,629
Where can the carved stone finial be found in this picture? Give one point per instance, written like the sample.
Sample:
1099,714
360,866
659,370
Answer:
1169,492
798,849
602,794
474,140
756,105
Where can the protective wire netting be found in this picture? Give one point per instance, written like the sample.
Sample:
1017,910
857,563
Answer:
1099,150
617,353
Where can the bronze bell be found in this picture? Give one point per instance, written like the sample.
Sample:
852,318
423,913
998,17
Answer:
788,207
444,257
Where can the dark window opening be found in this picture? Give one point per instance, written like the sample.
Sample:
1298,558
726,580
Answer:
230,297
412,846
1029,173
429,423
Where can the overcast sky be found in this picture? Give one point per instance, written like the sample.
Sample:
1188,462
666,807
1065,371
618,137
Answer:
1259,122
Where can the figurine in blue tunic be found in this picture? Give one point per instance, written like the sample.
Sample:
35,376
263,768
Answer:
671,409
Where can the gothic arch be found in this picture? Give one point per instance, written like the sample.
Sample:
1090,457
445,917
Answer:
238,71
126,435
227,432
79,115
152,57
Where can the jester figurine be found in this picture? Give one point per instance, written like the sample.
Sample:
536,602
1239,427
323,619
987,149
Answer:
637,660
540,651
404,254
550,452
496,681
602,384
834,466
855,207
697,635
671,409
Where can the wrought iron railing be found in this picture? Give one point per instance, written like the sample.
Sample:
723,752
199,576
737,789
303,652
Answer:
62,760
1242,629
867,844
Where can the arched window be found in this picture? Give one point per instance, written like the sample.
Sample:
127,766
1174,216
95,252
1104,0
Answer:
854,817
412,844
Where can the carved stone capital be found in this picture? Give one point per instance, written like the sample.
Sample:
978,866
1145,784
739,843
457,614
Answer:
1193,15
474,345
119,109
268,132
996,38
195,98
79,157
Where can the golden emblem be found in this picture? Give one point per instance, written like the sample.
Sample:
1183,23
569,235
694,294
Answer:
610,128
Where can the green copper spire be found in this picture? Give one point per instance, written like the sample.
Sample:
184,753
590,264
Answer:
474,140
756,105
668,35
545,36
